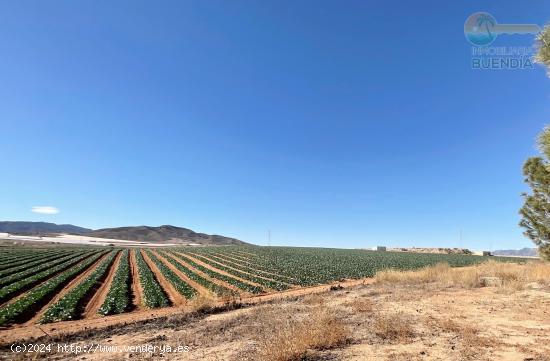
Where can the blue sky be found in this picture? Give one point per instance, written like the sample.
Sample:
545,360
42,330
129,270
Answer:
342,124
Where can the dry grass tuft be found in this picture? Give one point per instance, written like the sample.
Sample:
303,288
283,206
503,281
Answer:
202,303
449,325
314,300
472,343
393,327
361,305
286,337
513,276
440,273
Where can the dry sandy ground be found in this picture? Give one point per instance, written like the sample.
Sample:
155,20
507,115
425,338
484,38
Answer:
389,320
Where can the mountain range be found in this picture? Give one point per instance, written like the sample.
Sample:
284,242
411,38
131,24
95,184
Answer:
165,233
35,228
524,252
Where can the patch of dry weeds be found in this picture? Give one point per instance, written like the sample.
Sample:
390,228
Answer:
361,305
512,276
393,327
286,337
468,340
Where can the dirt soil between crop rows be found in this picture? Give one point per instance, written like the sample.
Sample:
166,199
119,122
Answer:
73,283
99,297
136,289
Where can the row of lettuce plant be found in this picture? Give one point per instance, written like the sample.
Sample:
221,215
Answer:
180,285
68,306
118,296
37,295
153,295
43,265
206,283
8,264
21,285
222,277
269,283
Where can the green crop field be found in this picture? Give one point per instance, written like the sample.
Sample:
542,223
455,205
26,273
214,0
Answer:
61,284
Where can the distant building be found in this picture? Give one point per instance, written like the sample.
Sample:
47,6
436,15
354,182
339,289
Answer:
487,253
381,248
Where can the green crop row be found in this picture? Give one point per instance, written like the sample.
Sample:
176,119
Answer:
21,255
38,268
11,311
8,291
181,286
250,267
217,289
249,276
235,260
153,295
230,280
31,263
67,307
35,256
118,297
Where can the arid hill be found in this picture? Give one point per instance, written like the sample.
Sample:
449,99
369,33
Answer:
36,228
161,234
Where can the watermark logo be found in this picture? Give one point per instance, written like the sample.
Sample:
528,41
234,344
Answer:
481,30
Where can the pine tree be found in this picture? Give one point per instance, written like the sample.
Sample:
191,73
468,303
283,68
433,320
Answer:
536,209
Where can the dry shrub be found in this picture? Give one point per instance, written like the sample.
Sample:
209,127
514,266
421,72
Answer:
393,327
513,276
448,325
362,305
202,303
286,337
229,299
436,273
472,343
313,300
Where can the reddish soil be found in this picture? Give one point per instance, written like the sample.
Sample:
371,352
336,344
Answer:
99,297
206,265
73,283
27,332
200,289
175,297
137,291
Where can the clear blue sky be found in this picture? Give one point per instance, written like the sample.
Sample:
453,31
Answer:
332,123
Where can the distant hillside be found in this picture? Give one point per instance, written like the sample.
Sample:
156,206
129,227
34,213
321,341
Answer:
170,234
162,234
35,228
529,252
